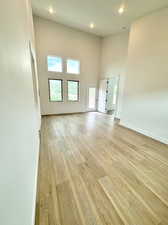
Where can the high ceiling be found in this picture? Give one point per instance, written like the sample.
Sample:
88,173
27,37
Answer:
103,13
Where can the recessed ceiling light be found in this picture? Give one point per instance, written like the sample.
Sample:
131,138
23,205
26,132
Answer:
51,11
92,25
121,9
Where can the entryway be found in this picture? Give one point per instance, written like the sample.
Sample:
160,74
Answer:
108,95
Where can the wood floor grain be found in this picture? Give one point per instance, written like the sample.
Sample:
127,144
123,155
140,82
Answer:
94,172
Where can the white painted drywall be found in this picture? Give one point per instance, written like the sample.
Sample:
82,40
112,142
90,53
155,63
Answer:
145,107
18,116
59,40
113,61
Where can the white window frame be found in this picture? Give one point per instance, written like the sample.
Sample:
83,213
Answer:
62,90
66,68
78,81
56,56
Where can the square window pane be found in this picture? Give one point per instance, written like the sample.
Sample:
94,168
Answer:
73,66
73,90
54,64
55,87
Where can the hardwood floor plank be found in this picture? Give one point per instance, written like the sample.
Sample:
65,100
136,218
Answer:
68,209
94,172
136,185
156,184
105,208
130,209
87,206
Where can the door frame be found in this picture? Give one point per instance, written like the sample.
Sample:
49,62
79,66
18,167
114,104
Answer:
96,98
101,80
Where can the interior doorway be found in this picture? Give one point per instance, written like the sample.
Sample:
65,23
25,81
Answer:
112,95
102,96
108,95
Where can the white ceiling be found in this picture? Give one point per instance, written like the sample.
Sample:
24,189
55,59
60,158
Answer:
104,13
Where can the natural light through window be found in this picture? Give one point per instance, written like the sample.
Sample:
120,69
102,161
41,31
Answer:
55,90
115,95
73,90
73,66
54,64
92,98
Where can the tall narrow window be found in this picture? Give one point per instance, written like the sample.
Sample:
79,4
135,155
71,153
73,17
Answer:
115,94
92,98
73,90
55,90
73,66
54,64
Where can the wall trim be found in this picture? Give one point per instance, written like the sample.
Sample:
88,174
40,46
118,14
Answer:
36,179
64,114
144,132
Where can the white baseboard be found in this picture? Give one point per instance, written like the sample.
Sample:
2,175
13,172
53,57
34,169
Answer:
61,113
144,132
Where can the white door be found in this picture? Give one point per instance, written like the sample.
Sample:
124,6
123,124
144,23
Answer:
102,96
92,98
112,93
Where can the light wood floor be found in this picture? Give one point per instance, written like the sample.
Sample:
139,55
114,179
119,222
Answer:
95,172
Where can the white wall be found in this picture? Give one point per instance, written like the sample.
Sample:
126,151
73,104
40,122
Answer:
145,106
59,40
19,124
113,61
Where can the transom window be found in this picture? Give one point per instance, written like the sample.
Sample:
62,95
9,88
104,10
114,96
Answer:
73,66
73,90
55,90
55,64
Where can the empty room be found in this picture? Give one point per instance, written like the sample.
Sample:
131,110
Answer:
84,112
